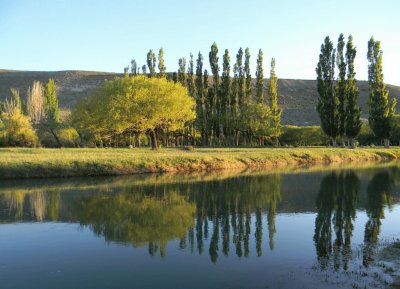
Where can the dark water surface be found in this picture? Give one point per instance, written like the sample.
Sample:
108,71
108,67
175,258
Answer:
295,230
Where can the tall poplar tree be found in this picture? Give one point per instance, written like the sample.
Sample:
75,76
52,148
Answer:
341,86
276,112
134,68
327,101
182,71
247,74
225,83
213,58
190,77
200,98
241,78
51,110
260,78
234,90
161,66
51,102
353,111
381,113
225,90
151,63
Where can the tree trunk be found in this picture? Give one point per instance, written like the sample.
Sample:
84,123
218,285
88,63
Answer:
56,137
343,144
153,139
334,143
386,142
352,143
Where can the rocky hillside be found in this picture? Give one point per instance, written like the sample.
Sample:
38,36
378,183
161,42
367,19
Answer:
298,98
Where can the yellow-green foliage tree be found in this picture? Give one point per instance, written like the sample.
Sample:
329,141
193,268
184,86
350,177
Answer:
15,127
138,104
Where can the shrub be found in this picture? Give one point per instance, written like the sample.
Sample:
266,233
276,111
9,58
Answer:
16,130
68,137
303,136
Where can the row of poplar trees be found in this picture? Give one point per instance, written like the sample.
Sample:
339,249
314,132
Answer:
338,106
231,110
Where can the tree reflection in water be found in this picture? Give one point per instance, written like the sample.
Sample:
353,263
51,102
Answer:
379,194
214,216
336,209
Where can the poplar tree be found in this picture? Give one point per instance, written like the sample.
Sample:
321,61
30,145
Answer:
190,77
241,78
381,113
353,111
161,66
260,78
276,112
234,112
327,101
51,102
200,98
341,86
51,110
225,83
234,90
151,62
144,72
247,74
134,68
213,58
182,71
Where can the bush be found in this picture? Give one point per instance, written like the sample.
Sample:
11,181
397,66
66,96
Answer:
303,136
68,137
366,136
16,130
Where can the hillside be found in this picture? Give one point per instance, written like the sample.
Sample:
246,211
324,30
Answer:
298,98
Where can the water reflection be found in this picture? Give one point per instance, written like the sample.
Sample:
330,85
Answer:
219,217
379,195
336,210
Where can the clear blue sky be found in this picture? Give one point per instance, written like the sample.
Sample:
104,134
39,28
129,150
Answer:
104,35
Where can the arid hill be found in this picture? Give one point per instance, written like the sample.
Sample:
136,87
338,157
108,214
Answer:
298,98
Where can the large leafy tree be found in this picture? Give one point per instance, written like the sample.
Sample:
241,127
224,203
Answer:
327,102
135,104
353,110
381,113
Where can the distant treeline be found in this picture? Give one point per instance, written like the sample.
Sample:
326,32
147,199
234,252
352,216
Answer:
193,107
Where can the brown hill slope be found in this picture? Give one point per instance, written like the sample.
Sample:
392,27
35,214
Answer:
298,98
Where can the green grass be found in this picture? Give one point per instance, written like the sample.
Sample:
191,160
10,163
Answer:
36,163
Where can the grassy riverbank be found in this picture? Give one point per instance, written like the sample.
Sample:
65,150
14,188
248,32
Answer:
37,163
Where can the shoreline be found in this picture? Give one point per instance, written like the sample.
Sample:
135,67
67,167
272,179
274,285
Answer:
23,163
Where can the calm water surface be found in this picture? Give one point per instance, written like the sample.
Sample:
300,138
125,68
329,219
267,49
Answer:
294,230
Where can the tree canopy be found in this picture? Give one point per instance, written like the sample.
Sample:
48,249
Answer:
138,104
